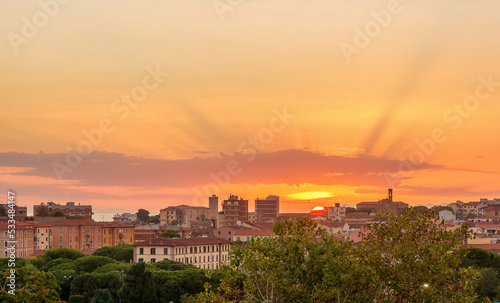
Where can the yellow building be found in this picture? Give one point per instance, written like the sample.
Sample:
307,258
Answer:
116,233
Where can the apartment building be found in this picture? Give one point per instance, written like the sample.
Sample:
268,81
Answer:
126,218
268,209
207,253
336,213
235,211
21,211
182,214
70,209
24,239
113,233
43,236
81,234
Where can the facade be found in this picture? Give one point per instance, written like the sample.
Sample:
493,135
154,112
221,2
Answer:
182,214
70,209
267,210
43,236
24,235
113,234
125,218
213,207
336,213
208,253
221,219
235,211
251,217
21,211
396,207
227,232
80,234
245,235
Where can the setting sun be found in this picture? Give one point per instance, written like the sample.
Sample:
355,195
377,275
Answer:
318,208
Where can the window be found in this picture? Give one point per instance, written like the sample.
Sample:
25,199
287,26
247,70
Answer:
141,251
194,259
190,250
229,232
219,232
153,251
195,250
248,238
5,254
238,238
153,260
5,244
25,253
204,249
165,251
140,260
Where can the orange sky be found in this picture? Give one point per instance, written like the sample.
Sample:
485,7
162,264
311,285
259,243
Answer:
330,124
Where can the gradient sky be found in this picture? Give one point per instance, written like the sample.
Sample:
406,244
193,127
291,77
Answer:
354,126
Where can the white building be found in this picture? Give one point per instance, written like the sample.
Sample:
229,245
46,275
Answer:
208,253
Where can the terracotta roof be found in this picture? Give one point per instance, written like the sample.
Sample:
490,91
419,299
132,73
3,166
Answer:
491,246
76,222
19,225
182,242
333,224
262,226
253,232
116,224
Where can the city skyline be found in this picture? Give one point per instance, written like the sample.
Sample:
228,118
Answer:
313,101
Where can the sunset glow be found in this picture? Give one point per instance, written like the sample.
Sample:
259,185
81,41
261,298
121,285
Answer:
129,104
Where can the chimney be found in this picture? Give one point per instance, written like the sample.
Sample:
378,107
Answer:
390,194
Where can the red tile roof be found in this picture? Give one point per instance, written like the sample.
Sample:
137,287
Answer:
182,242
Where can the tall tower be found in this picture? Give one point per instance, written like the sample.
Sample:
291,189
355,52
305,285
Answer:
213,207
267,210
390,194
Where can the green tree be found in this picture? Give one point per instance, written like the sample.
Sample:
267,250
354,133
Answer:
91,263
303,264
124,252
420,208
58,214
142,215
169,234
154,219
85,285
76,299
174,223
32,286
481,258
188,298
138,286
42,211
488,285
436,209
417,260
102,296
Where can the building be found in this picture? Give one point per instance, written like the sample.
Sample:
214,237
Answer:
208,253
336,213
182,214
221,219
43,237
21,211
396,207
80,234
245,235
267,210
227,232
125,218
235,211
24,237
69,210
113,234
213,207
251,217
